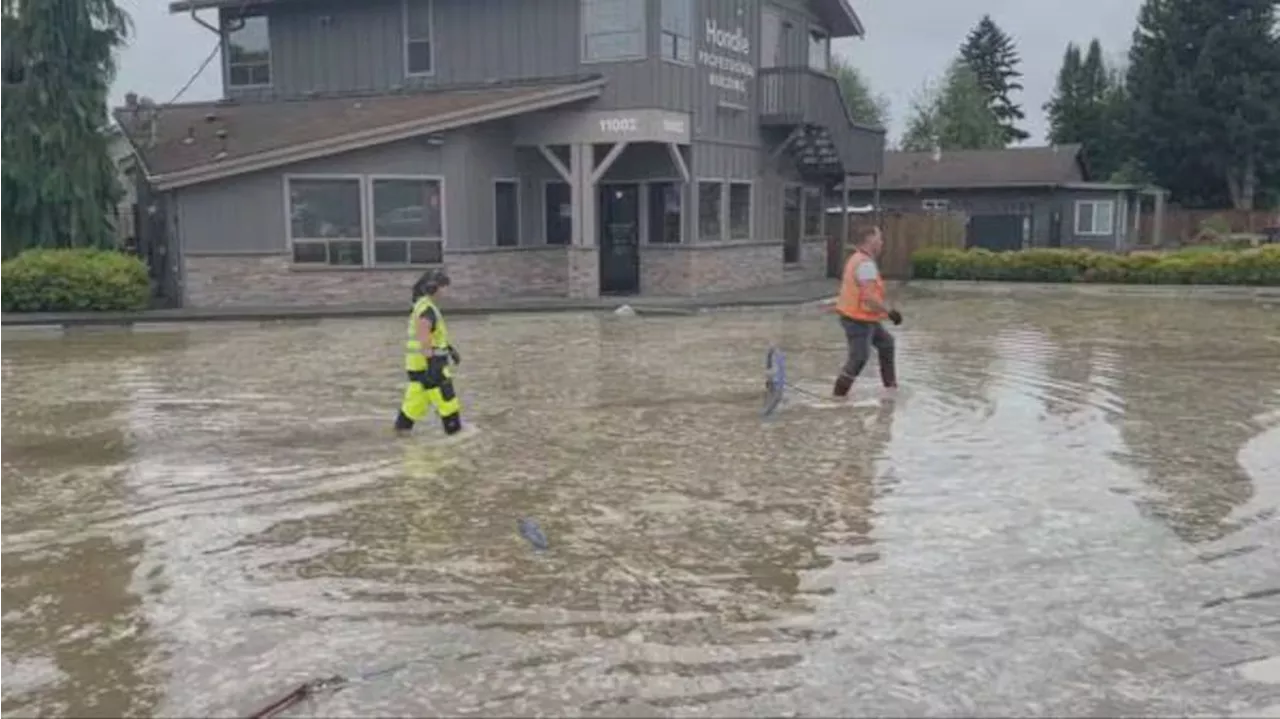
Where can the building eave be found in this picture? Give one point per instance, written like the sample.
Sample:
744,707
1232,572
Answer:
376,136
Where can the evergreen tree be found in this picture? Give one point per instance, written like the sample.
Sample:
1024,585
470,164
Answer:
59,184
1066,108
1204,87
1089,106
993,57
866,107
953,117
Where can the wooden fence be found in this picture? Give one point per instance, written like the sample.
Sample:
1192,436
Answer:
1185,227
906,232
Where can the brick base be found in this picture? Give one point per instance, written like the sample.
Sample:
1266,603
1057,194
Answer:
707,269
272,281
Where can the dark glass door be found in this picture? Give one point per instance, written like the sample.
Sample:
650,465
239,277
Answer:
791,224
619,239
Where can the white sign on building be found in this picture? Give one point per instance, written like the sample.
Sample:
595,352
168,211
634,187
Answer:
727,72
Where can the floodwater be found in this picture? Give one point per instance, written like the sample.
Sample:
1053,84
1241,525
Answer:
1069,510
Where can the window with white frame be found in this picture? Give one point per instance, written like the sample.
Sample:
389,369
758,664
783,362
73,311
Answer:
612,30
934,205
557,213
248,51
666,212
770,37
740,210
1095,217
677,30
819,50
419,27
506,213
408,222
710,211
326,220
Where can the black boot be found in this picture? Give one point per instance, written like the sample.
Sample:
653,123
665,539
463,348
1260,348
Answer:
843,383
403,423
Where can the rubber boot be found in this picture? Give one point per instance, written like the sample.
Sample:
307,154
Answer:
843,383
403,423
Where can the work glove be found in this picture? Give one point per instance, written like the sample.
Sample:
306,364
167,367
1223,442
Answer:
895,317
453,355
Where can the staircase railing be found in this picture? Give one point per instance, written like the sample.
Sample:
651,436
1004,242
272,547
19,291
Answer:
804,96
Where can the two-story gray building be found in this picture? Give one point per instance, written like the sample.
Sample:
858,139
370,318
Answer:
532,147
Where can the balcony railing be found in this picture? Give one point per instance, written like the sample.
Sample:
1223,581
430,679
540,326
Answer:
792,96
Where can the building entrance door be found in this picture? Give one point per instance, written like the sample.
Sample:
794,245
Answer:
619,239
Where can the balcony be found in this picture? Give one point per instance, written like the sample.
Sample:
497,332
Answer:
829,141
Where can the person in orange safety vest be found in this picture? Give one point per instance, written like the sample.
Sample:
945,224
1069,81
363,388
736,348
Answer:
862,308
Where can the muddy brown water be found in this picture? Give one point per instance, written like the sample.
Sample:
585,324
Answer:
1070,510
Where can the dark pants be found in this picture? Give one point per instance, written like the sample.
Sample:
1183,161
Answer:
862,336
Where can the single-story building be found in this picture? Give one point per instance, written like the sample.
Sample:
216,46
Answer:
1015,198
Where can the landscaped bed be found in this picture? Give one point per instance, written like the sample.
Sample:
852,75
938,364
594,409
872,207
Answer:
1189,266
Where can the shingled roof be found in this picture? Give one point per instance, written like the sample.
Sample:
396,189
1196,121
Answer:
199,142
966,169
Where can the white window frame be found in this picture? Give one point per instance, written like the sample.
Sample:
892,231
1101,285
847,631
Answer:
815,31
367,224
751,210
430,39
663,32
582,36
935,205
444,218
226,54
723,183
683,187
1093,231
514,181
288,219
771,37
546,239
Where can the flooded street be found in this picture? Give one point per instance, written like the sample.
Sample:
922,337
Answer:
1070,510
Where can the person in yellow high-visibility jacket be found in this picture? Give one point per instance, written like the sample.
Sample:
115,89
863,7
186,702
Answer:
427,357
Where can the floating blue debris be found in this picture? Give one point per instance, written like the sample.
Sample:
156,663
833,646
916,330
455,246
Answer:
775,365
529,530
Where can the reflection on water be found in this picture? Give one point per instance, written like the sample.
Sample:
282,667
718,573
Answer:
1068,510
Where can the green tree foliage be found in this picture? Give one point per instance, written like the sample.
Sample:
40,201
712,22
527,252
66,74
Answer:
1204,88
59,184
1090,106
953,117
994,59
867,107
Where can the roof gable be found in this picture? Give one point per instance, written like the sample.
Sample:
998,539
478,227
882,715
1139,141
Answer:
961,169
198,142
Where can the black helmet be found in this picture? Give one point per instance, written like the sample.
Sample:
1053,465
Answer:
429,283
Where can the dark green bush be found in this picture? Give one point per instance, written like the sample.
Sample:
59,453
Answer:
1260,266
74,281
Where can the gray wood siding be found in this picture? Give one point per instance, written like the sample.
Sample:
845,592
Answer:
1039,204
327,46
246,214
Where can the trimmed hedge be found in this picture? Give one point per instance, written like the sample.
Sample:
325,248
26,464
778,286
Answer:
1196,266
74,280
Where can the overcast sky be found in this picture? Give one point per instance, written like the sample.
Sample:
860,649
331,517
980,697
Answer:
909,42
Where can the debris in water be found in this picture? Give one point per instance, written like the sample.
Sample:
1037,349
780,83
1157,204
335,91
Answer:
625,311
529,530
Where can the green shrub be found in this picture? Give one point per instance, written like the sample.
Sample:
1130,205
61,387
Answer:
74,281
1197,266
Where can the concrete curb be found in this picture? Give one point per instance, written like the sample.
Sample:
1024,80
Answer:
35,320
1199,292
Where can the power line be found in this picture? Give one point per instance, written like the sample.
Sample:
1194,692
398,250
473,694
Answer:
196,75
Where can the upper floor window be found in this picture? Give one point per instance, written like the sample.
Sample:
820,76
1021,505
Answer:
418,28
612,30
248,44
770,38
819,50
677,30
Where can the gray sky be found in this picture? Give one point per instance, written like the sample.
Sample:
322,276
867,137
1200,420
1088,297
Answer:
909,42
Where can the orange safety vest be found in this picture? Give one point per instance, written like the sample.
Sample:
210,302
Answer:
852,300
